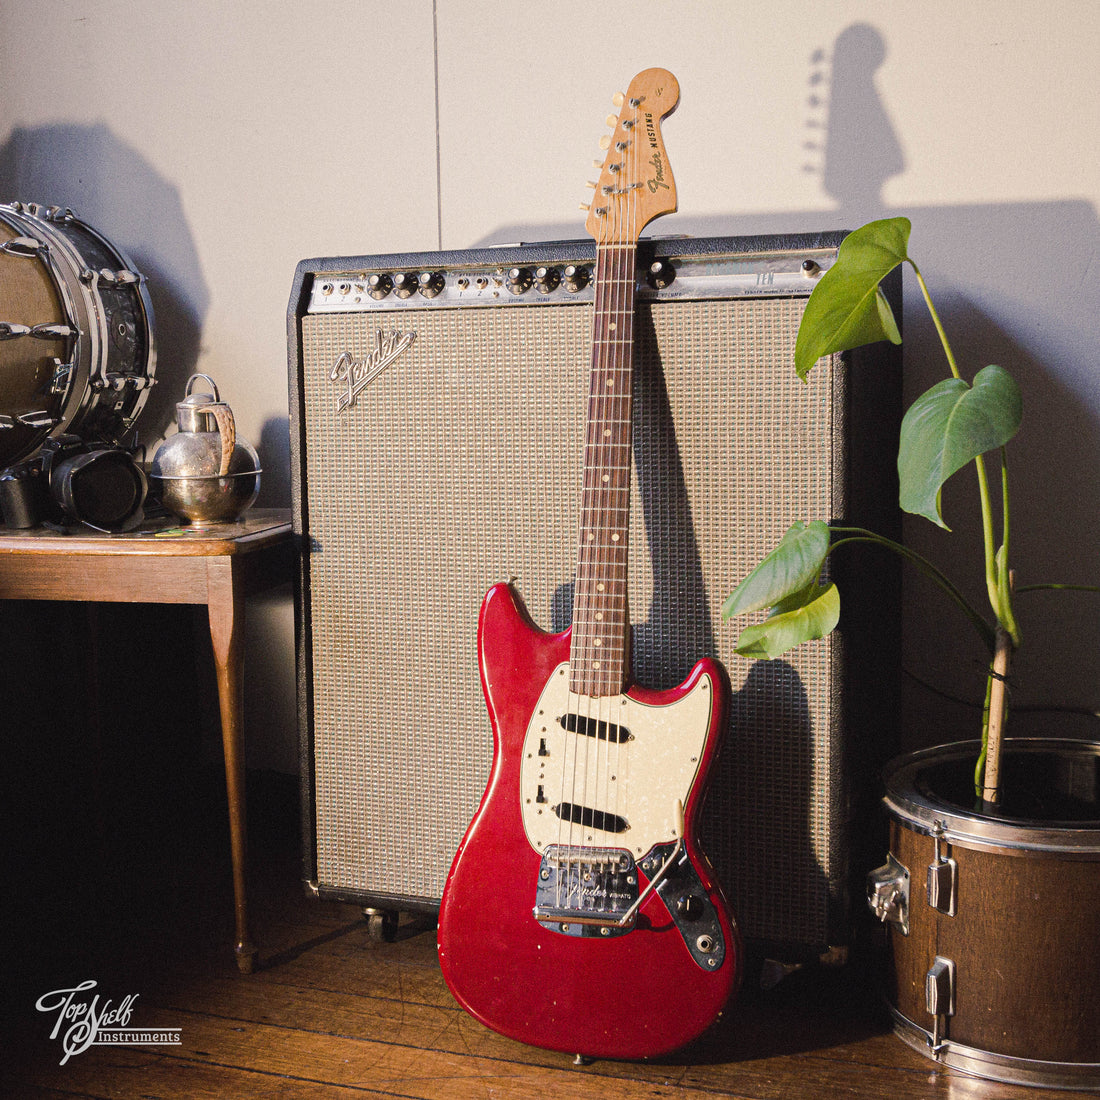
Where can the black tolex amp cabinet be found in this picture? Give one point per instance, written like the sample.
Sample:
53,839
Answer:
437,413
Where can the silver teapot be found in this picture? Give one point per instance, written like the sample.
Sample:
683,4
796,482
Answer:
206,473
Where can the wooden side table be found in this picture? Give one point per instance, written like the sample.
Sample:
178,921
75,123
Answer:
163,563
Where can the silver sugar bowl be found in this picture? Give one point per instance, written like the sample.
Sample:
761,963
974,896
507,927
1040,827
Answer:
205,473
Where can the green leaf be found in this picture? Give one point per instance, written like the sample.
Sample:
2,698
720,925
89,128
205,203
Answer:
808,615
949,426
847,308
788,569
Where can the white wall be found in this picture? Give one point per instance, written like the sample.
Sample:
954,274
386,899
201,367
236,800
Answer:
221,143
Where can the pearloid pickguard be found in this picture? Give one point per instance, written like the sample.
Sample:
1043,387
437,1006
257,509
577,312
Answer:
640,780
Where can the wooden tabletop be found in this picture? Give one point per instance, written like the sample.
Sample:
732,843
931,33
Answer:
257,528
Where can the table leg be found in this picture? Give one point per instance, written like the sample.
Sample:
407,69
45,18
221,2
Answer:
226,609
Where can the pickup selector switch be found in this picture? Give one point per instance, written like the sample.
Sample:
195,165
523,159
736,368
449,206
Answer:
519,280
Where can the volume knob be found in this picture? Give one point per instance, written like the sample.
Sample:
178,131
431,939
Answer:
690,907
378,286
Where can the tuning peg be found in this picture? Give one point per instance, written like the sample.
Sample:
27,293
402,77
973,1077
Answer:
597,164
605,142
586,206
589,183
612,120
618,99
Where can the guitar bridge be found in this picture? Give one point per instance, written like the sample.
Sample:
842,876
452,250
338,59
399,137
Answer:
586,891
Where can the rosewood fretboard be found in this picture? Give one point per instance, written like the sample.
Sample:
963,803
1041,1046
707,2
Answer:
599,657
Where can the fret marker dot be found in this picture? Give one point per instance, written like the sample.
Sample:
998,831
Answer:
595,664
597,641
610,382
606,433
606,478
599,616
599,587
614,538
591,536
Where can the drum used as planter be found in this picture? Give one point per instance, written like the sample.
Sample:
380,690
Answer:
993,959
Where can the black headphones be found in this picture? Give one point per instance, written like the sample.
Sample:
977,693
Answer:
97,484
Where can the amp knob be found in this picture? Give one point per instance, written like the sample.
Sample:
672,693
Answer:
547,279
404,284
431,283
575,278
378,286
519,280
661,274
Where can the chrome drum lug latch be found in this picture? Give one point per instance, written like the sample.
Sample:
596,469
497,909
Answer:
939,997
942,877
888,893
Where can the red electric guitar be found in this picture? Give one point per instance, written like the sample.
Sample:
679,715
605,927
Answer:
579,913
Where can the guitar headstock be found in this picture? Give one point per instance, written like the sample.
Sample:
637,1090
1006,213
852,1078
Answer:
635,184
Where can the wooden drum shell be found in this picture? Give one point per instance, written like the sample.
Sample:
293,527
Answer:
1024,940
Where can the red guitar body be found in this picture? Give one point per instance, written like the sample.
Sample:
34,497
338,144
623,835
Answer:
606,993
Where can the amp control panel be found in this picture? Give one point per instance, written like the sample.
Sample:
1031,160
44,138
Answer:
533,275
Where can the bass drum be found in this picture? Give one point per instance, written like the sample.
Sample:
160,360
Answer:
77,352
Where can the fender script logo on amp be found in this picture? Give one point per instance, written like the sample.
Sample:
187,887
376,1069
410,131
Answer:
352,375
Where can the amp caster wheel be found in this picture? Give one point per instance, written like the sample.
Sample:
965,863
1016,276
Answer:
381,924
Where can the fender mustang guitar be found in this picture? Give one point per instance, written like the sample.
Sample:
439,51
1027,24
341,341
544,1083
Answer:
579,913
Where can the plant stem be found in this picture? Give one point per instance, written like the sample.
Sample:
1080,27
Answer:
862,534
996,572
936,320
1006,589
988,544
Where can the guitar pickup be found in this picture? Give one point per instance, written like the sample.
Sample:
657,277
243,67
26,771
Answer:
590,818
595,727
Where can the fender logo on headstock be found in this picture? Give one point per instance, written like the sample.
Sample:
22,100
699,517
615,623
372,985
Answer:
352,375
658,180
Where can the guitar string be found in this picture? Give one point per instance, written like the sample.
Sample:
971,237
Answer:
612,493
604,512
623,472
595,520
581,658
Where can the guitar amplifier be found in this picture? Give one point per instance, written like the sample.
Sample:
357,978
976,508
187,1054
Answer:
437,415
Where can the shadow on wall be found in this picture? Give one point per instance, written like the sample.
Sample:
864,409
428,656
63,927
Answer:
112,188
1010,281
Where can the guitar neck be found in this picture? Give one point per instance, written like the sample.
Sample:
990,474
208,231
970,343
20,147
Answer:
599,657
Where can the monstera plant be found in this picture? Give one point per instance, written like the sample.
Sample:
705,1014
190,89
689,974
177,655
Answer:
959,422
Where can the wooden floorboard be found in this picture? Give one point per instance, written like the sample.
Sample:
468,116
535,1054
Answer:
332,1012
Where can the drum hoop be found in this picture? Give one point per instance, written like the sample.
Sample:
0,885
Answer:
993,1066
955,825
